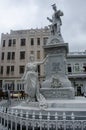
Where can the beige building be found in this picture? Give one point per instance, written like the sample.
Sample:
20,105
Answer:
15,50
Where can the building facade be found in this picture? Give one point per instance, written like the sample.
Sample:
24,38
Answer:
15,51
76,71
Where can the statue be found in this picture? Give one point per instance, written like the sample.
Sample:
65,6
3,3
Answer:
31,81
56,23
56,20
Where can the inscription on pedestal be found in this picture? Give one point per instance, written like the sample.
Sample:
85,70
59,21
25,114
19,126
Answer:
57,93
56,66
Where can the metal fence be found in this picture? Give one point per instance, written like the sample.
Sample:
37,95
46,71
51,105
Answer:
15,120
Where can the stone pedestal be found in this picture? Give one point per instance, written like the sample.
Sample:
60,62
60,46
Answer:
56,84
59,48
56,62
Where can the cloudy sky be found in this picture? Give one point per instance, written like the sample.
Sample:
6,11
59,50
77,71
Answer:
26,14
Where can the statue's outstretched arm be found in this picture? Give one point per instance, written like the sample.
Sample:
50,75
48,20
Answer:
49,19
43,61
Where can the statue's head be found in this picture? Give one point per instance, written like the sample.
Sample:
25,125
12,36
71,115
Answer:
54,7
32,58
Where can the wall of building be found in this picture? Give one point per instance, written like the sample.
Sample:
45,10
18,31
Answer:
76,71
16,48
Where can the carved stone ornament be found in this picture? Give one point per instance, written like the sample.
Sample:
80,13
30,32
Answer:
56,83
53,41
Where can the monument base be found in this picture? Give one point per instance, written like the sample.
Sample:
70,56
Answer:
78,106
58,86
58,93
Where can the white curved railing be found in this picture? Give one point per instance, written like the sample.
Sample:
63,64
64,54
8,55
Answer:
15,120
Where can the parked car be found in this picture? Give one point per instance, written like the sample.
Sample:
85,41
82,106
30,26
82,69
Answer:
15,94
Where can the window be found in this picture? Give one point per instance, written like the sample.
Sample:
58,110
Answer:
3,43
2,57
8,70
5,86
38,54
23,42
21,69
12,86
1,84
39,70
77,67
84,67
1,69
9,42
14,42
32,52
13,55
8,55
69,68
22,86
45,39
32,41
22,55
38,41
17,86
12,68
